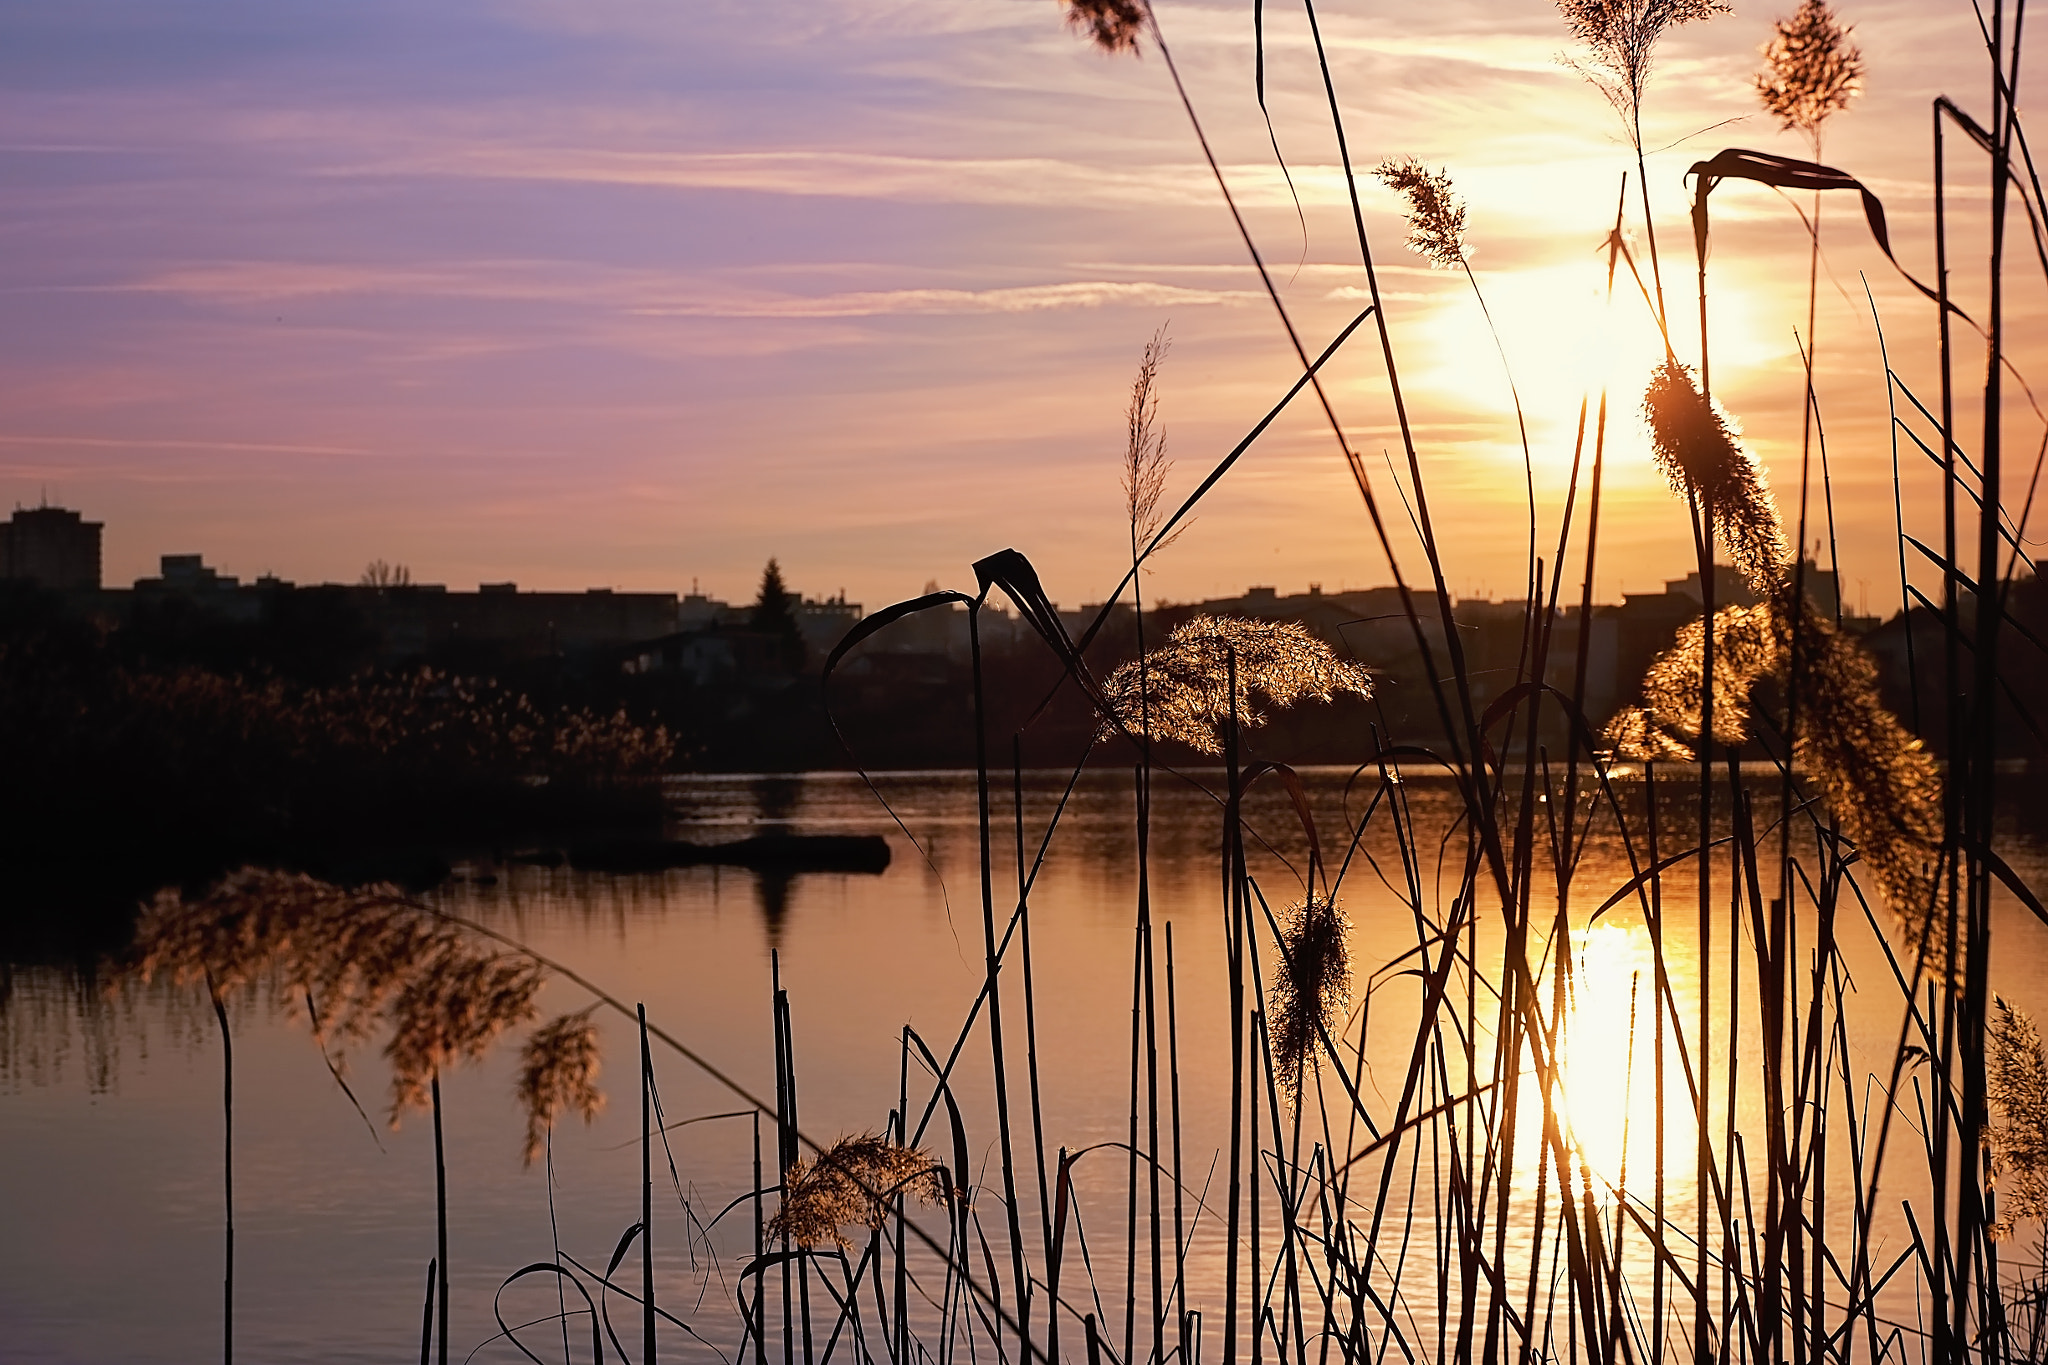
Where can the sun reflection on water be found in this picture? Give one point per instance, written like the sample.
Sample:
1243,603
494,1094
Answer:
1607,1073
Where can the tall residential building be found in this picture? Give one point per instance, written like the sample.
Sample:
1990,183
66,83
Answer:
51,546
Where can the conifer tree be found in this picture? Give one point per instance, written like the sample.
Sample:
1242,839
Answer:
775,613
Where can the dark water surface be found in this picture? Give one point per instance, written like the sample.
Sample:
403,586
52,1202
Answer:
110,1091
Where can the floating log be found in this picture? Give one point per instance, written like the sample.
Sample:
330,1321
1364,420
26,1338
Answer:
762,853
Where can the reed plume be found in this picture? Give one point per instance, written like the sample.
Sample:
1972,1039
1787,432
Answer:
1436,216
1311,987
1145,464
852,1183
358,958
2017,1087
1811,70
1697,450
1112,25
557,1073
1667,723
1186,688
1620,38
1875,778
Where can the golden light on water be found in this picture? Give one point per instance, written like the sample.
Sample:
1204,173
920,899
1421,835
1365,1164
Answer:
1607,1077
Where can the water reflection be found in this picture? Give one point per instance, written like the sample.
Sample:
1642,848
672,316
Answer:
1608,1081
859,957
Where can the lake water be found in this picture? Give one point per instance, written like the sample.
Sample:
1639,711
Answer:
110,1091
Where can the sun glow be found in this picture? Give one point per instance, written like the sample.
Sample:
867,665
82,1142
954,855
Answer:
1567,339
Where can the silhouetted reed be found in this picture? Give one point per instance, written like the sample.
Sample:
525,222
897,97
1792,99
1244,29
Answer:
1811,70
1112,25
2018,1090
1436,216
1620,39
1145,465
1668,721
1455,1208
1876,779
1185,693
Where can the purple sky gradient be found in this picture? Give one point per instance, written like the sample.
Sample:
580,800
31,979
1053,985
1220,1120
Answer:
629,293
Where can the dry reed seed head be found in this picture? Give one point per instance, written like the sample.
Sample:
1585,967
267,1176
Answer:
365,957
1667,723
1181,691
453,1008
1112,25
1145,463
1811,69
1634,733
1436,216
558,1069
1876,778
2017,1087
852,1183
1311,987
1697,450
1620,37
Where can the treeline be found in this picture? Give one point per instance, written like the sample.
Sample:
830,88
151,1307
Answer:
140,756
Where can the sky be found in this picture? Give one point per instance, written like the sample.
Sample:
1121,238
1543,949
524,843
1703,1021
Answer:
639,293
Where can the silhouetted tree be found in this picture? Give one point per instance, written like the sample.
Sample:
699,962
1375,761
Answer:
775,613
378,574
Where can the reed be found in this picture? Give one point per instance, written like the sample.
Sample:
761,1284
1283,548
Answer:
1437,1147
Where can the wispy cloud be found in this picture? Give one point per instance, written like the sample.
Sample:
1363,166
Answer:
1036,298
648,293
1014,181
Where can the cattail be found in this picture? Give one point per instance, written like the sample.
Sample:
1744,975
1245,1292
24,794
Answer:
1811,69
1186,681
1112,25
1436,217
1620,37
852,1183
1311,987
1701,458
557,1073
2017,1087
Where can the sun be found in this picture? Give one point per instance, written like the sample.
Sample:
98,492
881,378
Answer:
1567,340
